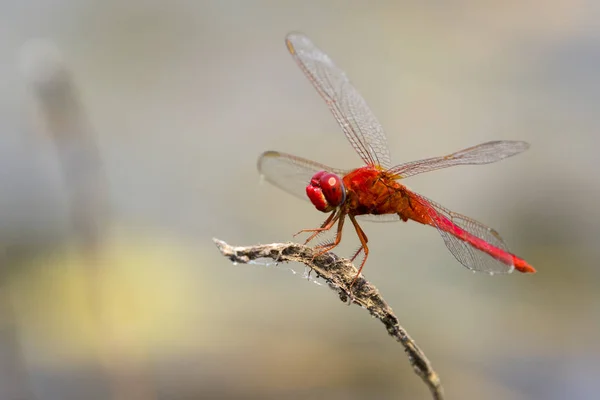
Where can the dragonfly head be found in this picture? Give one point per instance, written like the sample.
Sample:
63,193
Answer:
326,191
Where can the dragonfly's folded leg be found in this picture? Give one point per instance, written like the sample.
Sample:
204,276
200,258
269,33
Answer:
325,226
338,237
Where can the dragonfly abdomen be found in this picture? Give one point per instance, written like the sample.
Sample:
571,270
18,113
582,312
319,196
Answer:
499,254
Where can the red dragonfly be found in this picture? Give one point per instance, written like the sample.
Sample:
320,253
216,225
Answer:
374,190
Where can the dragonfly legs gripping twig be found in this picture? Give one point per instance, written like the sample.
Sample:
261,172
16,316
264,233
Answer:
339,216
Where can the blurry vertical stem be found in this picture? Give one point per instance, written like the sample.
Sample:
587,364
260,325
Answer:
63,119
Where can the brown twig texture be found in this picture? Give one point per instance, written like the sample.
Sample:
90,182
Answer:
339,274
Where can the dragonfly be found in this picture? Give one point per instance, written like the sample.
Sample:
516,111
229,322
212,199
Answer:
374,191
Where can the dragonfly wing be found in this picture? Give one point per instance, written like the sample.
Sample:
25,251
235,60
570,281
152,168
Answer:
291,173
469,256
352,113
485,153
379,217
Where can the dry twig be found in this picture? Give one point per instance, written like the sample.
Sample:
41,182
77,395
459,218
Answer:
339,273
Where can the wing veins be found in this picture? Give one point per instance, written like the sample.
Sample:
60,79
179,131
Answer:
464,252
350,110
484,153
341,118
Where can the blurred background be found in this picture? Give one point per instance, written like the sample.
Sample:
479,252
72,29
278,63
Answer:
130,134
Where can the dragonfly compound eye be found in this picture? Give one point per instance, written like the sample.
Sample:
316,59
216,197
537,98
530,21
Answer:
326,191
333,189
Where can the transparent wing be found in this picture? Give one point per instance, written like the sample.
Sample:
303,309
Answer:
469,256
484,153
379,217
356,119
291,173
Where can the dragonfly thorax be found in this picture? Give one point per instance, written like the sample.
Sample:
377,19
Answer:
326,191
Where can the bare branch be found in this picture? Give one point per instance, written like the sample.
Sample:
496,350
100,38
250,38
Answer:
339,274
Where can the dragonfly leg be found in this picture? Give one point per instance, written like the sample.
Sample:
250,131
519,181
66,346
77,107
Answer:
363,242
360,249
338,237
324,227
